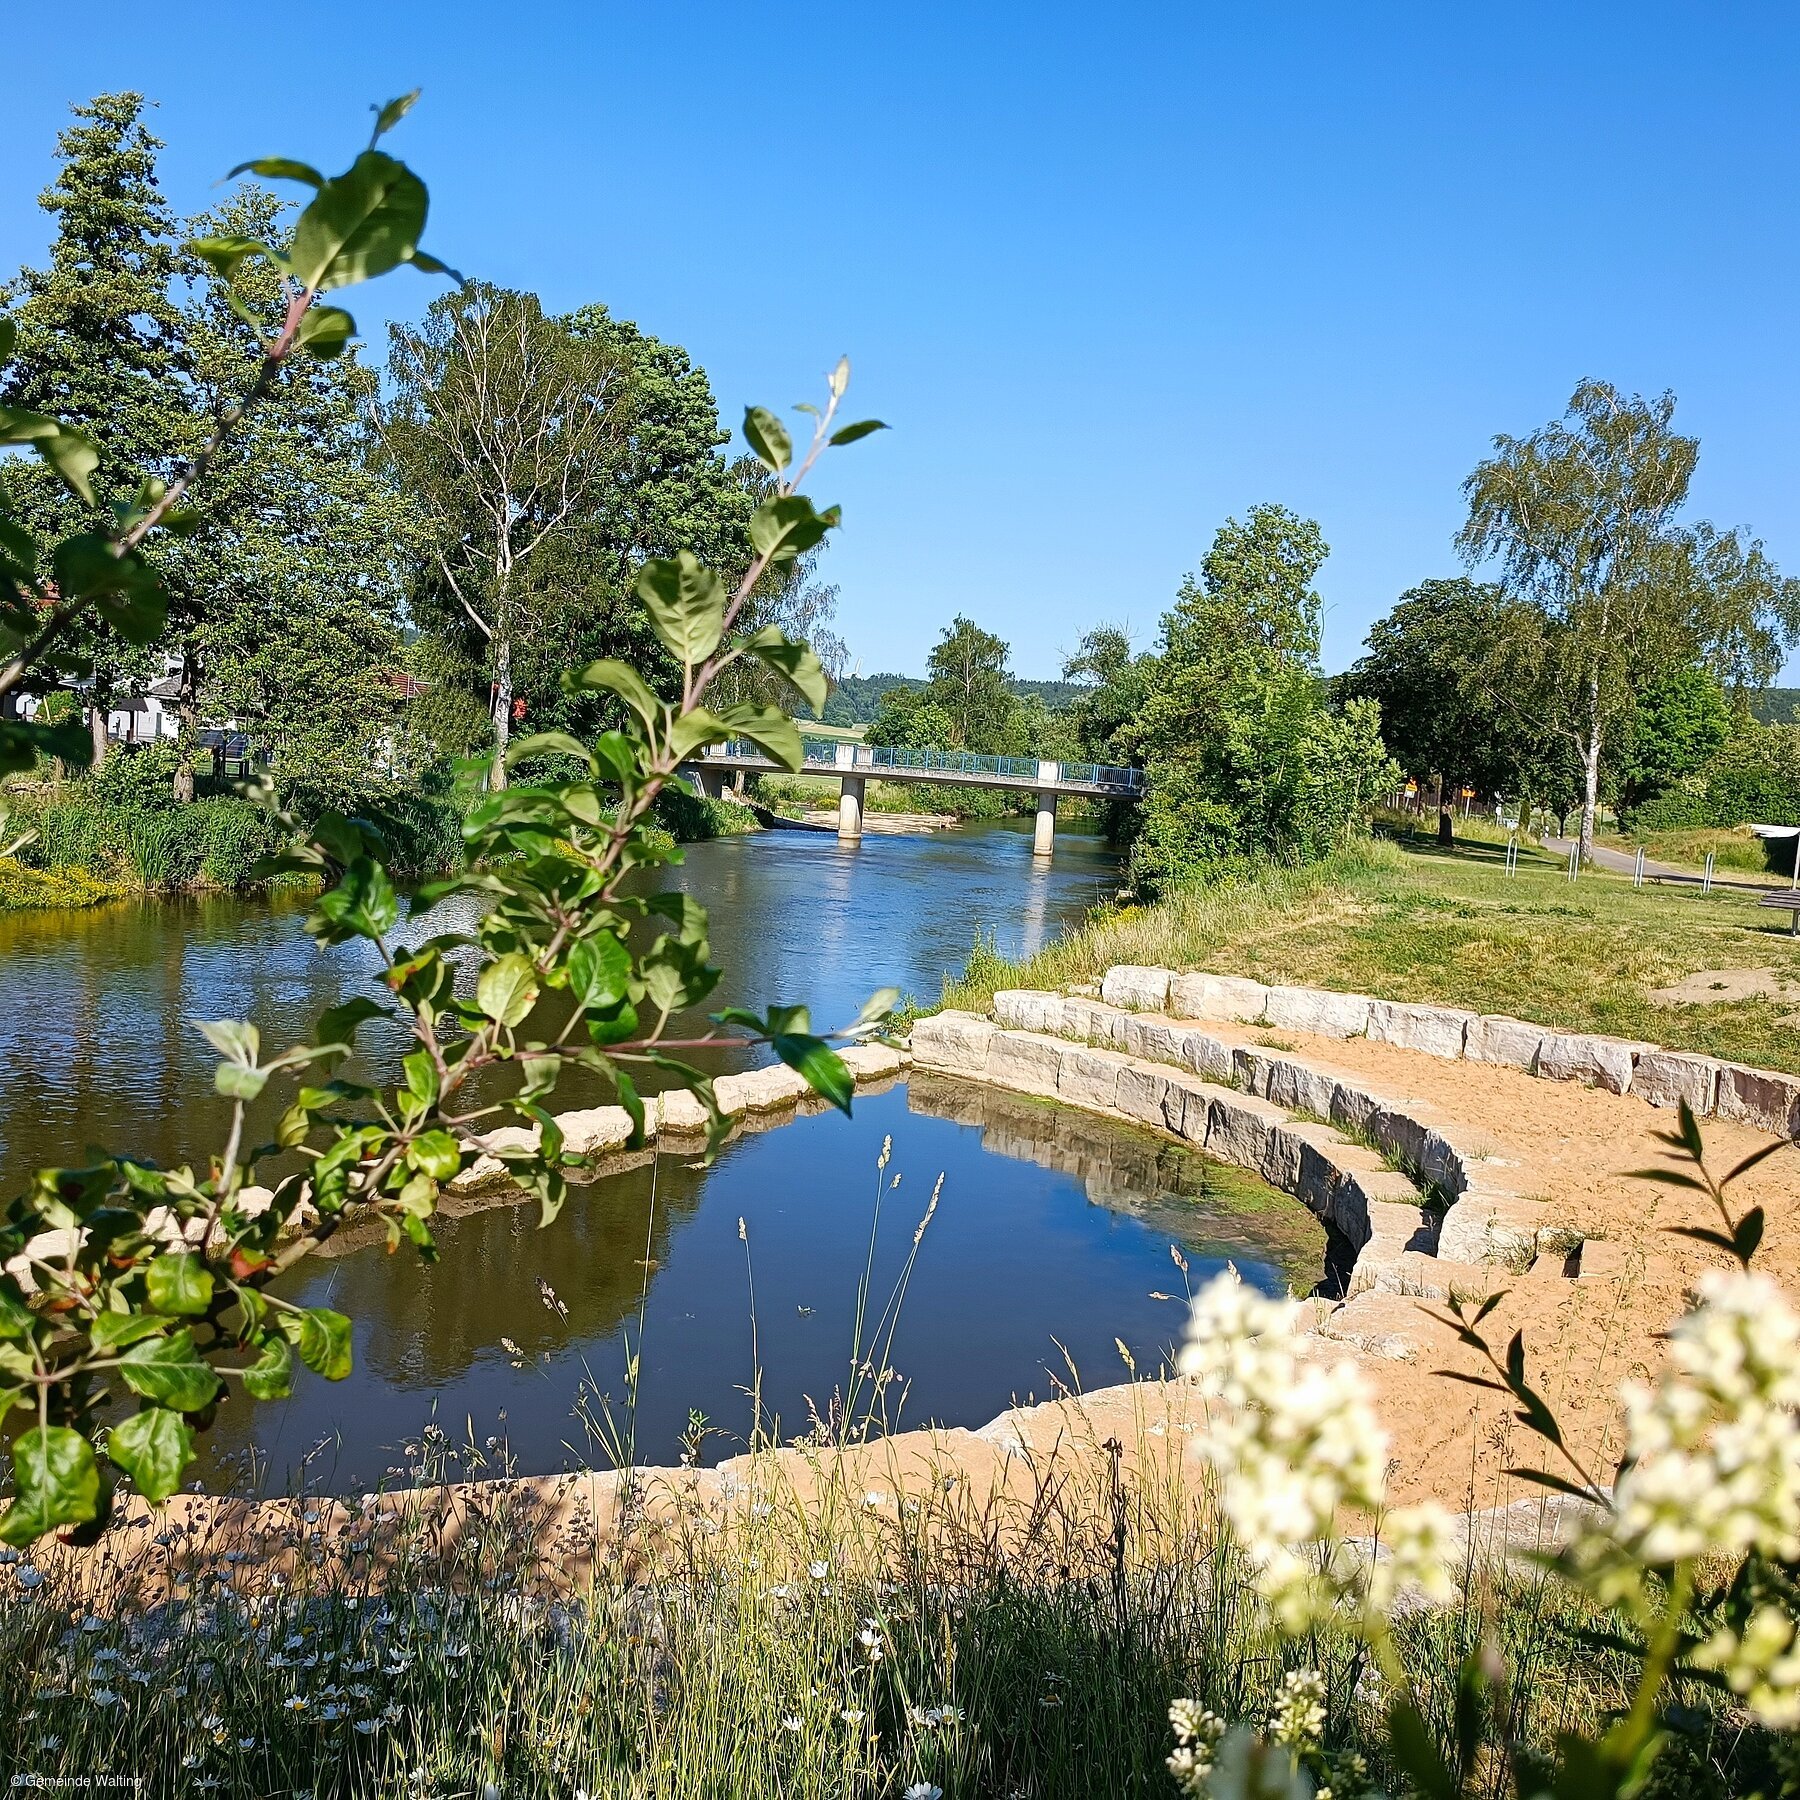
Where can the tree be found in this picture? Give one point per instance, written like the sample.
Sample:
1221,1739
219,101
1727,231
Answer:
1580,518
1240,755
100,345
291,586
1430,667
968,684
501,426
1677,721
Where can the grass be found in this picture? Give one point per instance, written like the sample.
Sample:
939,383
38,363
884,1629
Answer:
1414,923
22,887
1026,1646
1735,847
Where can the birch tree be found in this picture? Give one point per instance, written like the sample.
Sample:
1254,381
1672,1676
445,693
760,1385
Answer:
499,430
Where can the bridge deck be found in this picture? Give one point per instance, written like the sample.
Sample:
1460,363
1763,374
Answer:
957,768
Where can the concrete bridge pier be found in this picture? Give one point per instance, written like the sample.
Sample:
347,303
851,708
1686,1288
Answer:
711,782
850,809
1044,840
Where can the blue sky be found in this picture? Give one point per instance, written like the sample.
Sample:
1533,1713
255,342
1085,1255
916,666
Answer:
1112,273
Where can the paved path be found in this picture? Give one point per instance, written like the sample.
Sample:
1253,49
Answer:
1623,862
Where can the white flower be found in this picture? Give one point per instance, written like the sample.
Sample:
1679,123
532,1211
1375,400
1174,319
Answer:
28,1576
1299,1717
1762,1667
874,1498
819,1570
870,1639
1197,1734
367,1726
1713,1450
295,1703
923,1790
790,1723
102,1696
851,1715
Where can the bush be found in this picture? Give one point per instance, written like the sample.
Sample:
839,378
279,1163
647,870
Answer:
205,843
142,779
692,818
1678,809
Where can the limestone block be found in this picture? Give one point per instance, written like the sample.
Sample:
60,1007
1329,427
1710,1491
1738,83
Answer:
1352,1107
1205,1054
873,1062
1299,1087
1148,1095
1396,1226
678,1111
1151,1036
596,1130
1488,1226
765,1090
1027,1009
1317,1010
1305,1156
1218,997
955,1042
1095,1022
1429,1277
1090,1077
1194,1098
1761,1098
1240,1127
1025,1062
1666,1078
1378,1324
1396,1129
1595,1061
1601,1260
1140,989
1512,1043
1436,1030
1250,1069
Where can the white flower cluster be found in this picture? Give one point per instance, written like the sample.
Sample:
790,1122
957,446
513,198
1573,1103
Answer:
1713,1450
1299,1717
1197,1734
1762,1667
1294,1444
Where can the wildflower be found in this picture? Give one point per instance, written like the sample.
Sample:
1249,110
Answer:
818,1570
790,1723
295,1703
1299,1717
1197,1734
874,1498
28,1576
1713,1450
1295,1443
1762,1667
367,1726
851,1715
103,1696
870,1639
923,1790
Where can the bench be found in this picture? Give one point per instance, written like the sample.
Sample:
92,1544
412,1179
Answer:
1788,899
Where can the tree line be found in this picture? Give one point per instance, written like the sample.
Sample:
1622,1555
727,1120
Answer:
381,572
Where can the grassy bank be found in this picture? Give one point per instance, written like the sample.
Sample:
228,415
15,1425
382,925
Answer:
841,1643
1412,923
22,886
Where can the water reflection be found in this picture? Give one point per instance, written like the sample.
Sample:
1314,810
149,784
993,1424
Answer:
1052,1234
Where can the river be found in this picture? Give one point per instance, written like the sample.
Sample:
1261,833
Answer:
1051,1239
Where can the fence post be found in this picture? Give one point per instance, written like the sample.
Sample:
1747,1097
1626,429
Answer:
1706,875
1575,859
1637,873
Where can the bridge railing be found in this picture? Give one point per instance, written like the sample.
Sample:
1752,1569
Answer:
823,754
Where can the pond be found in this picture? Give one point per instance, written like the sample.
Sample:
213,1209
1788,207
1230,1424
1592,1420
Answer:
1051,1238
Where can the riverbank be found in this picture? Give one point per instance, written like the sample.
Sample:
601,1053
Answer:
1452,928
87,846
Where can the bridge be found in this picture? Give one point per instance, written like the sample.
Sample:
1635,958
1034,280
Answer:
855,765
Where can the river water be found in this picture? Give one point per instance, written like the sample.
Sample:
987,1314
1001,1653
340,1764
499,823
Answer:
1052,1236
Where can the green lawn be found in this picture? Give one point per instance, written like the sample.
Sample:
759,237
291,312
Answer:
1415,923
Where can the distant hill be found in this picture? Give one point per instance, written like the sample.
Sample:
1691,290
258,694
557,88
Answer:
1776,706
857,698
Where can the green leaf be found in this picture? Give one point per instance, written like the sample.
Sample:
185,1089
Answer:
621,679
337,1024
324,331
793,661
271,1376
179,1283
56,1481
547,743
363,904
9,337
226,255
508,988
686,605
279,168
325,1342
387,117
152,1447
768,438
1417,1754
16,1318
694,729
360,224
169,1371
71,453
770,729
1748,1235
114,1330
437,1154
236,1082
819,1063
789,526
599,970
429,265
875,1010
848,434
